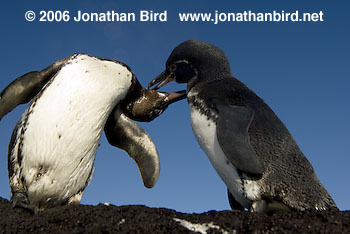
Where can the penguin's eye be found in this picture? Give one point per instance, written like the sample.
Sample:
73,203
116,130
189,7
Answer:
184,72
172,68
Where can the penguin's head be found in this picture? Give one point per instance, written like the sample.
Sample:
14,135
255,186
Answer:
192,62
144,105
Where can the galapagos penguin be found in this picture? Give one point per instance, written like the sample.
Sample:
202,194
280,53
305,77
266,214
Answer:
53,146
248,145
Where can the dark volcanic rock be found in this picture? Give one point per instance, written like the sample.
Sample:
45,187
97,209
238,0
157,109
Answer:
141,219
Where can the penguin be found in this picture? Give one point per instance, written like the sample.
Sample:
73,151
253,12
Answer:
53,145
248,145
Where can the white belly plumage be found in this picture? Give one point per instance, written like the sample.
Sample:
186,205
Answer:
59,139
205,132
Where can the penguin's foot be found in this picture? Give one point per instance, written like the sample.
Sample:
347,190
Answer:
19,199
268,207
75,199
276,206
259,206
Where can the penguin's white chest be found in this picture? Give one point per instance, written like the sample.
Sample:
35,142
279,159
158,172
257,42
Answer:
205,132
63,126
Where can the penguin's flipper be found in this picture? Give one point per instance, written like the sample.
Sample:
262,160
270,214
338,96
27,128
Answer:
24,88
232,133
125,134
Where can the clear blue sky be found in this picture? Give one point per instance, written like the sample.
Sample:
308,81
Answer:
300,69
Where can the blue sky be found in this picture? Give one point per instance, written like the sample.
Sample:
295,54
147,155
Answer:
300,69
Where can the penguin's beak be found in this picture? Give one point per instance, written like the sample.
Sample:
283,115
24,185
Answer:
162,79
175,96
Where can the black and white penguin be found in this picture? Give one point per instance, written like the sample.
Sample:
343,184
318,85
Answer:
247,144
53,146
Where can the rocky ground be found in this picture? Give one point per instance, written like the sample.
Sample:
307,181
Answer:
142,219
